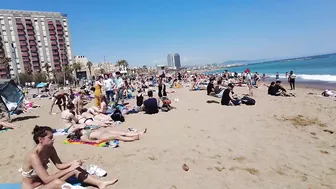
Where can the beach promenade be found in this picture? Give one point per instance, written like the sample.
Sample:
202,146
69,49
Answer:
281,142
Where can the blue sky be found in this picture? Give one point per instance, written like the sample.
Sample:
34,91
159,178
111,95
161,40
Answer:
201,31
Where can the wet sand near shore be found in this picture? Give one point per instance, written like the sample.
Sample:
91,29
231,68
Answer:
281,142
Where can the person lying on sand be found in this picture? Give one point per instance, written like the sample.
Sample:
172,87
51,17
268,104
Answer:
100,135
5,118
91,113
34,167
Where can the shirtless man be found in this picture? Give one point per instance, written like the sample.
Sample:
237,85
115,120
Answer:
59,97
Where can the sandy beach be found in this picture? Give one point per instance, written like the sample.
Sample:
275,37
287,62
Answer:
281,142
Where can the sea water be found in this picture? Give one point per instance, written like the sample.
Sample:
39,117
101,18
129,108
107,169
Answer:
322,69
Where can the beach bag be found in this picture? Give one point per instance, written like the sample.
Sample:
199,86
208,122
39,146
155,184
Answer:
117,116
248,101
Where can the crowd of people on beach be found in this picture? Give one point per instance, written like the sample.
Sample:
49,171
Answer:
103,122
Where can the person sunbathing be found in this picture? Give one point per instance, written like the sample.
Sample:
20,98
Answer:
34,167
5,118
91,113
100,135
88,119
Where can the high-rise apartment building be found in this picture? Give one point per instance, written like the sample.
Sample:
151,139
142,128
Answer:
177,61
170,60
34,41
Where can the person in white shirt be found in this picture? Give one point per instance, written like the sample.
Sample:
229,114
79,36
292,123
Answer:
119,88
109,86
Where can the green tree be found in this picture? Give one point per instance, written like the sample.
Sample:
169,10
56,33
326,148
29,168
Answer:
123,63
5,62
76,66
89,66
25,77
47,68
39,77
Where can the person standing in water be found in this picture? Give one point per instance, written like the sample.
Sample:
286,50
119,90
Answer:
291,80
277,76
286,75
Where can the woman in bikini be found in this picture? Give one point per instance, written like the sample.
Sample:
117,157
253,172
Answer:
68,117
104,134
102,109
36,162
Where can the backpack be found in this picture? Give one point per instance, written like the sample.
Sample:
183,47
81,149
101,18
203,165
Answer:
248,101
117,116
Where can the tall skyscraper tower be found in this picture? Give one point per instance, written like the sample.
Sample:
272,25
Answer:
34,41
177,61
170,60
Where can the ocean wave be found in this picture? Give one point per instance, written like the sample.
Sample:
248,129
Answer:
329,78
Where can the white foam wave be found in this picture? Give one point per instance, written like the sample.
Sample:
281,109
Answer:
329,78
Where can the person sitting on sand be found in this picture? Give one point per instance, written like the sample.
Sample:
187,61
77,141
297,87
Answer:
34,167
103,105
151,105
279,90
68,117
210,87
195,86
272,90
227,98
79,102
101,135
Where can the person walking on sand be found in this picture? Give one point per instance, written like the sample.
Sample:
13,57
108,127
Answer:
249,81
109,85
98,91
291,80
119,88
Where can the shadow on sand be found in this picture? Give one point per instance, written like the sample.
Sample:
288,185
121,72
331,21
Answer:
23,118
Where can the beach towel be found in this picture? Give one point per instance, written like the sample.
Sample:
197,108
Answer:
112,143
4,130
72,180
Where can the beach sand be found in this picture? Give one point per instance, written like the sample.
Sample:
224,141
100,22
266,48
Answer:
269,145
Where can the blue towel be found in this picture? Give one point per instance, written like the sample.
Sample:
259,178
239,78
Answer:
72,180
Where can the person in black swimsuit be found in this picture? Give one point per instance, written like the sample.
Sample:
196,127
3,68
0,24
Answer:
227,98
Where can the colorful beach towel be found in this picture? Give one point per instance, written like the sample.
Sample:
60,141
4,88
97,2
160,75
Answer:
72,180
112,143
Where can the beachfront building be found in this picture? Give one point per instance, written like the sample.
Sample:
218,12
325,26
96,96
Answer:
84,71
34,41
177,61
170,60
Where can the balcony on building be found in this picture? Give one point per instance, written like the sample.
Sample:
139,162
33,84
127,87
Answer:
55,53
24,49
34,54
53,37
29,27
36,63
28,21
54,43
22,38
31,37
26,60
20,27
50,22
61,42
3,73
59,28
23,43
25,54
54,47
60,32
32,43
2,55
21,32
33,49
30,33
56,58
56,63
3,66
18,20
51,27
52,33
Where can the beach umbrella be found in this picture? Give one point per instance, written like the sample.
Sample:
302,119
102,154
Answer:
40,85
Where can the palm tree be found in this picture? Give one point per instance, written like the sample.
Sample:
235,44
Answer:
122,63
89,65
5,62
47,67
76,66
